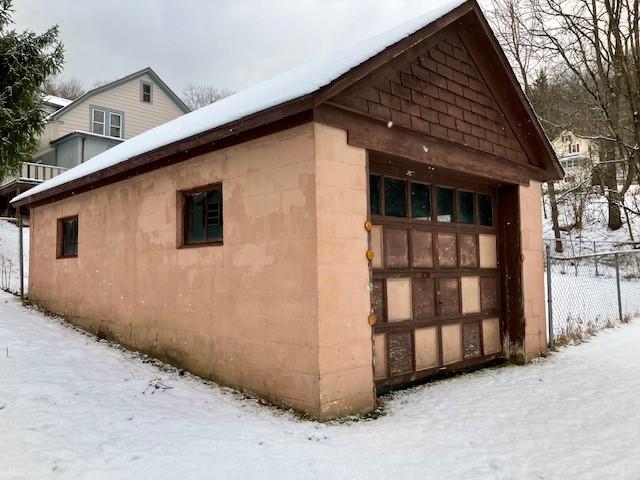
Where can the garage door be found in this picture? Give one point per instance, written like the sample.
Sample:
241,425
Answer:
435,277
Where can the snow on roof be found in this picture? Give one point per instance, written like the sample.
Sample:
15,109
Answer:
291,85
57,101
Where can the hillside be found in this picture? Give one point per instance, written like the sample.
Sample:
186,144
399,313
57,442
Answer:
594,226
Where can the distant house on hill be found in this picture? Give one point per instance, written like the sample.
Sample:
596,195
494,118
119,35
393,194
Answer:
79,129
578,156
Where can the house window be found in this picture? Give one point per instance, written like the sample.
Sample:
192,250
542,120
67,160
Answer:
574,148
202,216
98,121
445,204
146,91
420,201
395,197
115,125
466,207
485,210
67,237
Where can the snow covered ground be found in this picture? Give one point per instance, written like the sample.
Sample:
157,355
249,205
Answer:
584,302
9,259
73,407
580,242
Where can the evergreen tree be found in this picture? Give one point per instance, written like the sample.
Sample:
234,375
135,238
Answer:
26,60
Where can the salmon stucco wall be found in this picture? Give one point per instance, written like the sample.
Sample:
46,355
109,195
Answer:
244,313
533,270
345,348
249,313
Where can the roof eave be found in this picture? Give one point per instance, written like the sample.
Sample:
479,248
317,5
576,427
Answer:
243,125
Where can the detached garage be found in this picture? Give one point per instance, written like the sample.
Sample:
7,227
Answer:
356,224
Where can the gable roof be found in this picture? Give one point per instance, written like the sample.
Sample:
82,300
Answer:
293,92
108,86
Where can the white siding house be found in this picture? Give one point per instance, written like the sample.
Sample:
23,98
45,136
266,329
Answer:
94,122
577,155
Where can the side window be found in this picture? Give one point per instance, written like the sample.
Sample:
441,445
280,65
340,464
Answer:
115,124
67,241
146,92
202,216
98,118
485,210
105,121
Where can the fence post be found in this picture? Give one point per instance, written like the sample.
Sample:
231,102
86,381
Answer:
549,298
595,250
21,251
618,287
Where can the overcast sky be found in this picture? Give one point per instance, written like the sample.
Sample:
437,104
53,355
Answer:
226,43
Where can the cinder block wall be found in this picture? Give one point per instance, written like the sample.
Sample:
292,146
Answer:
345,348
279,310
533,270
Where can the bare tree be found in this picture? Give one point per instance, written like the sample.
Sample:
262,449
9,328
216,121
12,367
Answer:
598,42
512,24
65,88
197,96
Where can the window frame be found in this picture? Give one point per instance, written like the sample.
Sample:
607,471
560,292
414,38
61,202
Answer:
60,237
384,171
183,195
120,129
103,123
454,203
474,208
108,112
144,83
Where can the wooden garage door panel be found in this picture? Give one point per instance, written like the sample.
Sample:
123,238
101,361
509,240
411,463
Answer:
468,250
448,295
489,294
421,249
447,251
471,341
377,300
396,248
400,353
424,302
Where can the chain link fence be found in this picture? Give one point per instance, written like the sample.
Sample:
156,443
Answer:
591,291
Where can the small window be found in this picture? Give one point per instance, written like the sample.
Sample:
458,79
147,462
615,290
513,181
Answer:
203,216
374,194
98,121
146,89
445,204
420,201
395,197
465,207
485,210
574,148
115,125
67,237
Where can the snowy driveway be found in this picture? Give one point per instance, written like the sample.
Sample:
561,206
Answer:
72,407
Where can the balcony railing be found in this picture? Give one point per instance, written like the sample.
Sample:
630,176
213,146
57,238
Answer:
33,173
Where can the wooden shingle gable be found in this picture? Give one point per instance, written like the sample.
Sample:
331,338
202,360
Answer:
438,92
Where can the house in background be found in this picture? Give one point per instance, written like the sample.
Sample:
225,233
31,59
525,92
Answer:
362,222
578,156
78,130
